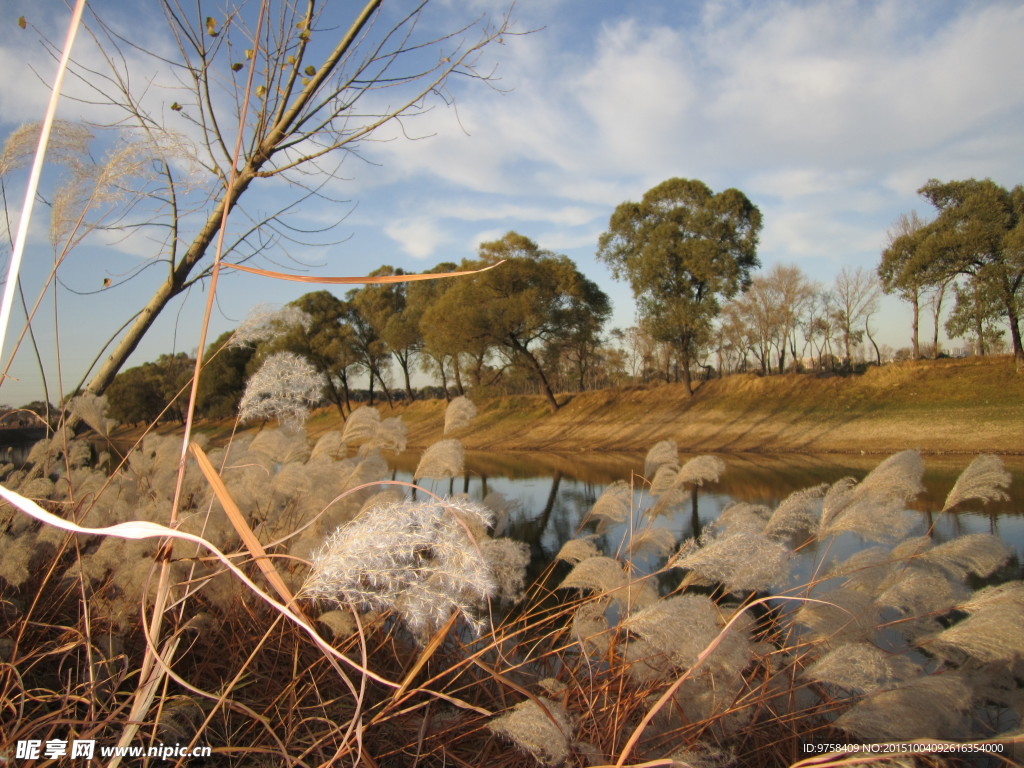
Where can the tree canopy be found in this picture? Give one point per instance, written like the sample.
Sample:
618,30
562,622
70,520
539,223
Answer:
978,233
533,297
683,249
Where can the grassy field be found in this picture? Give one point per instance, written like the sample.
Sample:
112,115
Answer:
944,406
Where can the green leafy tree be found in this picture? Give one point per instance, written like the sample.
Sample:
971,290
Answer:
385,307
899,272
683,249
328,342
535,297
439,348
580,346
149,392
976,316
372,352
979,232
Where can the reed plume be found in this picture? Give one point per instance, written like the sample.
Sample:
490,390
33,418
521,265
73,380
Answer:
683,626
273,447
668,502
613,505
606,576
338,622
798,514
445,458
92,185
840,616
665,453
577,550
284,388
264,323
658,542
928,707
862,668
391,436
599,574
744,561
664,480
414,558
68,144
330,447
590,627
875,509
741,516
507,560
540,727
985,479
993,631
361,424
92,409
977,553
700,470
459,414
916,591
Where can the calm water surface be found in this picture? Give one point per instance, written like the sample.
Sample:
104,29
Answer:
554,493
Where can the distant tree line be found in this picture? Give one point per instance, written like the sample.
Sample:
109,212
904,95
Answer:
536,324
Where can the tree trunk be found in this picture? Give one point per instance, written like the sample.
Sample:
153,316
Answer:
172,286
867,330
384,387
687,384
457,370
1018,349
345,390
408,384
940,294
915,342
444,380
542,380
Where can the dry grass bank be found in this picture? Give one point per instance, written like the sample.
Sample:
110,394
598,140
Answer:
945,406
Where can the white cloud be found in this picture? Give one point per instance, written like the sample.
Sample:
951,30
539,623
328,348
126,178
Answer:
420,238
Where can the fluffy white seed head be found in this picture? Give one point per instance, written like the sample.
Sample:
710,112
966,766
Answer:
613,505
665,453
415,558
264,323
930,707
459,414
744,561
284,388
985,479
445,458
92,409
862,668
700,470
542,728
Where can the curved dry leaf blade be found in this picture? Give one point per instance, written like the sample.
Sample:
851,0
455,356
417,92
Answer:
367,280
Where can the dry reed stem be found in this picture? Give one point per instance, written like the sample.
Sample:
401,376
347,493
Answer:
256,550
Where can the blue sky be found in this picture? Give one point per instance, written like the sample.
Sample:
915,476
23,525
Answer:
829,116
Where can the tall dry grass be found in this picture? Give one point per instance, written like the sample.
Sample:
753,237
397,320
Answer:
621,653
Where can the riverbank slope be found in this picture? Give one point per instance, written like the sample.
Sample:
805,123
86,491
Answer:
944,406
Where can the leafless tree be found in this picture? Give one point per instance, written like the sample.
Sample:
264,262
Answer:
856,296
308,88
